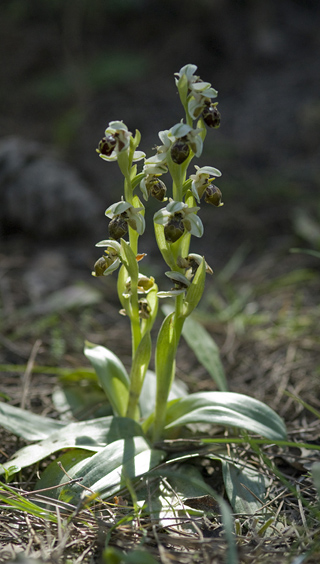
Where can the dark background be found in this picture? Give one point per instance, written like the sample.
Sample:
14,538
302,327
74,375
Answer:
70,67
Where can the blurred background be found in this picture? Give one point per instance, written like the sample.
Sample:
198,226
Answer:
68,68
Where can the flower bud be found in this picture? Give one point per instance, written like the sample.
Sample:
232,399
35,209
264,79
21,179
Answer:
211,116
174,228
107,144
180,151
158,189
213,195
117,227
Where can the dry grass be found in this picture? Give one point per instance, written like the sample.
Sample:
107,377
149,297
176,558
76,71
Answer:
269,347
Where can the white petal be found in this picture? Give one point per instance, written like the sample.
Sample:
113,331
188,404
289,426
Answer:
117,208
150,168
170,293
201,86
178,277
113,157
143,189
140,223
138,156
196,227
161,216
180,130
112,267
195,191
188,70
195,107
110,243
210,170
199,145
164,137
174,207
117,126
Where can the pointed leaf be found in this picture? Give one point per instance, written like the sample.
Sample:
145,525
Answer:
165,369
112,376
90,435
55,474
105,472
26,424
239,482
195,290
139,368
226,408
315,471
205,350
148,392
129,260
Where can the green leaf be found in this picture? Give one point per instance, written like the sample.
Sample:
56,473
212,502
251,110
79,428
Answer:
201,486
152,299
137,179
112,555
81,400
20,503
26,424
55,474
139,368
89,435
105,472
315,471
164,247
165,369
121,289
129,260
112,376
148,392
195,290
239,482
205,350
226,408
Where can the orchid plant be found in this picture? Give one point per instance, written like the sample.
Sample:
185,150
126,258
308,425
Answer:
174,225
147,406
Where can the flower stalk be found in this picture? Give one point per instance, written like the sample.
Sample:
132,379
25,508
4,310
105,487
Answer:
174,224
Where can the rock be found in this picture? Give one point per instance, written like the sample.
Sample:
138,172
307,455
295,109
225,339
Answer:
41,195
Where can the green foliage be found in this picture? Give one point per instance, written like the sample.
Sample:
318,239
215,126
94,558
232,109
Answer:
98,457
112,376
205,350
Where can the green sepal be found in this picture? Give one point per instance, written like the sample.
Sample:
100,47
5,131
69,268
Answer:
137,179
195,290
136,139
164,246
121,287
182,85
124,163
186,186
153,300
133,172
112,376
